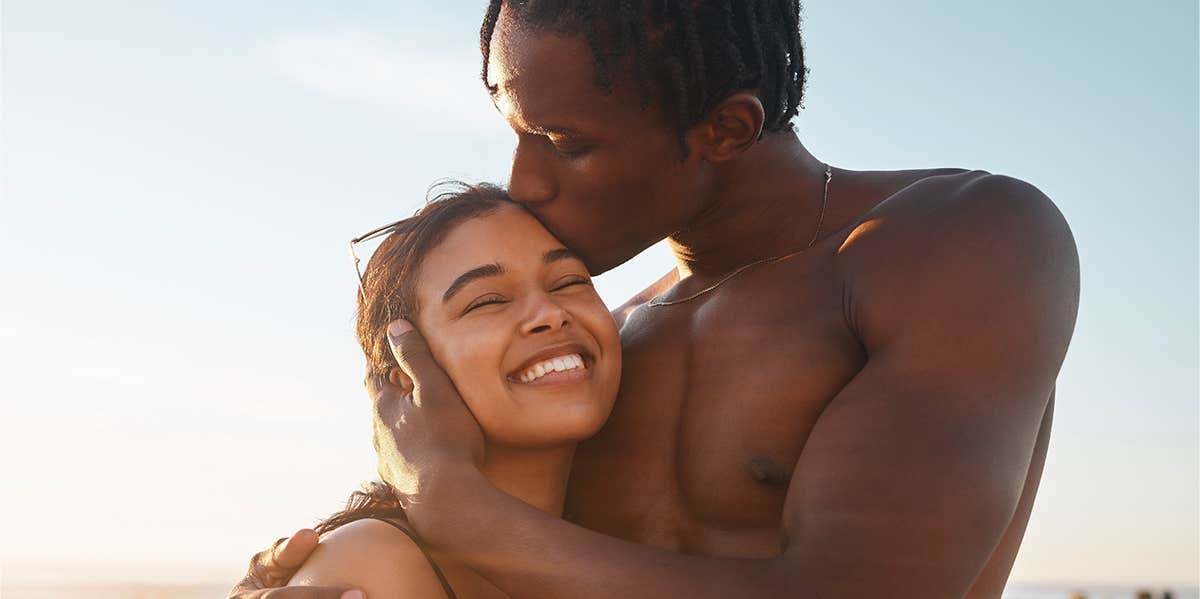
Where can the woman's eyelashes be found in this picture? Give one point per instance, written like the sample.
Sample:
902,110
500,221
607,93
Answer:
570,282
496,299
485,300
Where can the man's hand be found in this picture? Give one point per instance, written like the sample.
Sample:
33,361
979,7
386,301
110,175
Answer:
271,569
424,432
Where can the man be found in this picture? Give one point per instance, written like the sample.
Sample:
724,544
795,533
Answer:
845,388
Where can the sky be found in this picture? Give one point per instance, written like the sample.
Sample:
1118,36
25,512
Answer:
179,381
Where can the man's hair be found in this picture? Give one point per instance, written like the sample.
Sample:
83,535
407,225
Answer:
687,54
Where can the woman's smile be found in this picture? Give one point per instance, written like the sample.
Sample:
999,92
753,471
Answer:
559,363
563,368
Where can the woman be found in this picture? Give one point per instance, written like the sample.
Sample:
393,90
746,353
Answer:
511,315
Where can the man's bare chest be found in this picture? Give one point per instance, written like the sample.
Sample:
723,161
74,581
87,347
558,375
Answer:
717,400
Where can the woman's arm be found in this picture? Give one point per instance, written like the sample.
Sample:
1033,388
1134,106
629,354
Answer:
373,556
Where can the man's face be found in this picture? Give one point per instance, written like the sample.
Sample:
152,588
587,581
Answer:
605,176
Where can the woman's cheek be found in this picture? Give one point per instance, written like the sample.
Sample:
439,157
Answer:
476,373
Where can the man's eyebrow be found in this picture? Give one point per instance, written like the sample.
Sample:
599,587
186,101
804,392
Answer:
479,272
559,254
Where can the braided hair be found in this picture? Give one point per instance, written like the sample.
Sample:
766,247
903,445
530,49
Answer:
687,54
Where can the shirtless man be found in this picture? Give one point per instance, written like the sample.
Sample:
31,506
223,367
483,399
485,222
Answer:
844,389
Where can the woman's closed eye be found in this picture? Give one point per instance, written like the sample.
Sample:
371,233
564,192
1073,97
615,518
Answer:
571,281
485,300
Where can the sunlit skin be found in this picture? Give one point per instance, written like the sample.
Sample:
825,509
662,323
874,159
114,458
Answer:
869,418
530,299
498,295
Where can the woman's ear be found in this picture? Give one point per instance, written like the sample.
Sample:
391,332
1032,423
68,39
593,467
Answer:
730,128
396,376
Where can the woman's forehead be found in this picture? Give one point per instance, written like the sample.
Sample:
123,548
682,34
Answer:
507,235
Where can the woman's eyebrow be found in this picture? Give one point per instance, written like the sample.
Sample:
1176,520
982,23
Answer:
492,270
479,272
559,254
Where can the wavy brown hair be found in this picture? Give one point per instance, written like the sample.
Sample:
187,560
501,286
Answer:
389,281
389,293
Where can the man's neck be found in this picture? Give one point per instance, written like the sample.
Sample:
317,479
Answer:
766,203
536,476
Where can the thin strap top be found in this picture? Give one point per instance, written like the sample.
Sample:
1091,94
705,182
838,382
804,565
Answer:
429,558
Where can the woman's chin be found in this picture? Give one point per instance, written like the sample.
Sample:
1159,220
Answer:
550,433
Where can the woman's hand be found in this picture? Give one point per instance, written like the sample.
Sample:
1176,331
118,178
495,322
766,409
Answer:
425,436
271,569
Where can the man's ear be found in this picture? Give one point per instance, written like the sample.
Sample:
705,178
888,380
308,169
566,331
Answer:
730,128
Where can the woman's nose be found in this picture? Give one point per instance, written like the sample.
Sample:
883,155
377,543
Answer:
546,315
530,179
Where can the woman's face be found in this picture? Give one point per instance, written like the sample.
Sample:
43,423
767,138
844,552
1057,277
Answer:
512,316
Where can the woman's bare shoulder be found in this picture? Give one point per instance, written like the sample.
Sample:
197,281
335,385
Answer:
373,556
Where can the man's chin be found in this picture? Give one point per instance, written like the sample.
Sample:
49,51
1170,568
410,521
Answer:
597,267
599,263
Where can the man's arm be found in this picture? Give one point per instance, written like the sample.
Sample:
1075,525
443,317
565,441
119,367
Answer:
966,304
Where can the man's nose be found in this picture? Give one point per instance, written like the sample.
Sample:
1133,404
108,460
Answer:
531,178
546,315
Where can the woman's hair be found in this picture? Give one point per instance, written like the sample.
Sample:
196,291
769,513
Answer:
389,292
389,280
377,499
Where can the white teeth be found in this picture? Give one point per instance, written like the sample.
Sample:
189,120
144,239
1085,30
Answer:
559,364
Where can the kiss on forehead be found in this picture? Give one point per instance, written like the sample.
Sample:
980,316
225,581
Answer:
844,388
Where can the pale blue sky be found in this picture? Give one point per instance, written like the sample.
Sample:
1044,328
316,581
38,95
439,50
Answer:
179,378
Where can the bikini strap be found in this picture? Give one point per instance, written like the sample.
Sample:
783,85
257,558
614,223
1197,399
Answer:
429,558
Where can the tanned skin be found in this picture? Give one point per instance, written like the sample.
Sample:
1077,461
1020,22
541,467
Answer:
869,418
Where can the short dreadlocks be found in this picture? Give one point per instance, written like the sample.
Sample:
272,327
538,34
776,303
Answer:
687,54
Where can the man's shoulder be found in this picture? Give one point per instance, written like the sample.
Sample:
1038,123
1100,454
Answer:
951,211
949,234
622,313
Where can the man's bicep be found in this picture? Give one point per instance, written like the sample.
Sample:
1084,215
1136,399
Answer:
907,485
914,470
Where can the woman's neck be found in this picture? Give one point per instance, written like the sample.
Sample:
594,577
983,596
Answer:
536,476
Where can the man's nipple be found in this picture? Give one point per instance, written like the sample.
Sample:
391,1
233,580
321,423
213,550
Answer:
768,472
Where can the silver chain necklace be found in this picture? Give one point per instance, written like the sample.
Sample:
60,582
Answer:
816,233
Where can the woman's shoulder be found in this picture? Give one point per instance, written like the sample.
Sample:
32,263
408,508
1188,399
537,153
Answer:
374,556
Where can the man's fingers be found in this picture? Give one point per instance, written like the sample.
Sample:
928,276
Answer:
289,554
414,357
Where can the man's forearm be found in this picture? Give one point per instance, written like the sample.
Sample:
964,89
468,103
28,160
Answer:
528,553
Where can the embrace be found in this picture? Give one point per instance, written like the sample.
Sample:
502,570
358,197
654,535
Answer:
844,389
